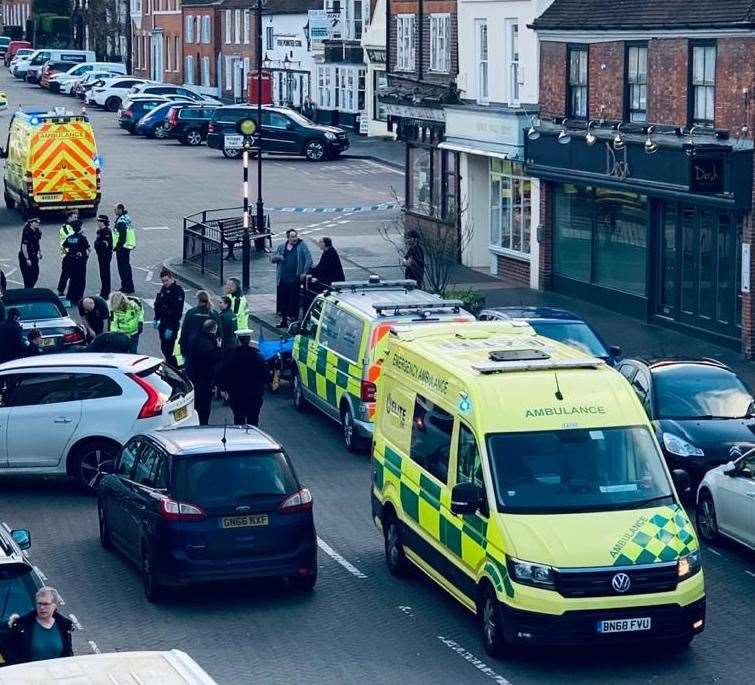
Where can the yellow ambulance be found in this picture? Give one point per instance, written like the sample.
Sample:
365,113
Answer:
51,163
523,477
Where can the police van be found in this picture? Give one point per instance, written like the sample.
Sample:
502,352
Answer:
335,345
524,478
51,162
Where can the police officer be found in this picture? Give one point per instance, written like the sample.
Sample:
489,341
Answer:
126,316
239,305
76,247
202,368
103,246
243,376
30,252
228,324
124,240
65,230
95,314
169,308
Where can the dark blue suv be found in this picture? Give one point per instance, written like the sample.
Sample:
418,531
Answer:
206,504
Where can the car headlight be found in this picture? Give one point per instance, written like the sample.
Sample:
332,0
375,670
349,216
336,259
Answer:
682,448
330,136
688,565
527,573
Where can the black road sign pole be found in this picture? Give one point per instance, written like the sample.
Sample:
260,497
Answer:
246,249
260,225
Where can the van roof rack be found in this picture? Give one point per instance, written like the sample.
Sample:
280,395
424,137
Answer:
537,364
396,307
374,283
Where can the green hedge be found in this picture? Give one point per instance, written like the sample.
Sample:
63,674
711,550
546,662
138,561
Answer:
474,303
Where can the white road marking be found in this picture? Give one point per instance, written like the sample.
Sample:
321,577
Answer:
714,551
345,221
353,570
384,167
93,646
155,228
149,275
12,271
750,573
472,659
75,621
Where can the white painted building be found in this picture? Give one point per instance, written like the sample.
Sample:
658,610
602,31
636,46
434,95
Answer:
498,79
373,42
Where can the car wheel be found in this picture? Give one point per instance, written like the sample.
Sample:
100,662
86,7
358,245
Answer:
87,461
232,153
314,151
10,203
351,439
153,591
132,130
707,524
105,540
300,403
491,623
112,104
193,137
395,558
160,132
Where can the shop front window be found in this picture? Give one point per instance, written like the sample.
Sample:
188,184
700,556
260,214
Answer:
510,207
419,179
573,217
432,182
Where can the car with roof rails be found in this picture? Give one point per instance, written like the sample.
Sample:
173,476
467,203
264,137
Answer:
154,124
170,89
42,309
698,408
558,324
133,109
67,414
189,123
19,579
208,503
113,91
336,348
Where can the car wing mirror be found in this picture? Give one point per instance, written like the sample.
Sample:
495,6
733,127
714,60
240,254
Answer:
22,537
730,469
681,480
3,153
465,498
294,328
614,350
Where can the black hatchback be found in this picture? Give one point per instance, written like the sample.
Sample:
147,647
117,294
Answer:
199,504
188,123
129,116
284,132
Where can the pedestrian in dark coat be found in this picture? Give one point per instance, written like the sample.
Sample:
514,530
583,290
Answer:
244,375
329,269
103,247
193,321
76,247
205,356
228,324
30,252
12,342
3,286
169,308
113,342
293,262
95,314
124,241
414,259
41,634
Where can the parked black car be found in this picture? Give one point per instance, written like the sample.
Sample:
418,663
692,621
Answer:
128,117
200,504
284,131
188,123
698,407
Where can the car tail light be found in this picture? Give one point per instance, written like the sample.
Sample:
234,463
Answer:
99,180
126,113
74,337
173,117
171,510
155,401
368,392
211,128
299,501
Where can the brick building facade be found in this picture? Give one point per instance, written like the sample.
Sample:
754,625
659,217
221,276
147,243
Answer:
16,13
645,155
156,40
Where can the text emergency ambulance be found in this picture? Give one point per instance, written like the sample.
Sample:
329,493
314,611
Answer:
51,162
523,477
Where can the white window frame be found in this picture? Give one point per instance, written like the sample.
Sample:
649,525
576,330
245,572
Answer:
405,47
206,29
245,76
269,37
499,177
325,92
512,61
237,26
189,29
228,27
247,26
189,68
168,55
206,75
228,73
440,32
482,60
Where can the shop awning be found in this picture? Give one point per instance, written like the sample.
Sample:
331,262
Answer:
483,149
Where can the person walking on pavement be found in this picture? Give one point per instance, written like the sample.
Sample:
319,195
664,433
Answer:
169,308
76,247
293,261
239,305
30,252
244,375
12,342
124,240
103,247
203,363
41,634
414,259
308,109
126,316
95,314
65,230
228,324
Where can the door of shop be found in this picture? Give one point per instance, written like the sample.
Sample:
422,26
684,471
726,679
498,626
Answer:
698,267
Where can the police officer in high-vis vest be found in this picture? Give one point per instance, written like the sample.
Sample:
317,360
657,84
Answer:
239,305
124,240
126,316
65,230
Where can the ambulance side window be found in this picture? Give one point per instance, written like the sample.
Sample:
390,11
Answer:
312,320
431,437
468,465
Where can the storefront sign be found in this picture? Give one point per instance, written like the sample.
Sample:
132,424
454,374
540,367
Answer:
706,175
318,26
288,42
376,55
364,123
487,127
408,112
745,267
616,164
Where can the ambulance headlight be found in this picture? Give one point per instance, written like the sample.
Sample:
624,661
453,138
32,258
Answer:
688,565
681,448
527,573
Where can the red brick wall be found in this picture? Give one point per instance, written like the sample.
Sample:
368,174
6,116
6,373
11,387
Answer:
552,79
199,50
172,29
606,81
514,269
667,81
233,49
732,77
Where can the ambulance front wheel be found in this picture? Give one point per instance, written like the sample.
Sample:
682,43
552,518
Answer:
300,404
395,558
490,617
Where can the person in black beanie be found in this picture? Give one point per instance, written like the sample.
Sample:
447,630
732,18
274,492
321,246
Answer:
103,246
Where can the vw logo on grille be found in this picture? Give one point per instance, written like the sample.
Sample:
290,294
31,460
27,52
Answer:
621,582
243,508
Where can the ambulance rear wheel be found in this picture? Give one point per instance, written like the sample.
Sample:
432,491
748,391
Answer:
300,404
491,623
10,203
395,559
352,441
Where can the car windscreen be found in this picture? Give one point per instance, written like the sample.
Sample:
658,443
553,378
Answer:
171,383
695,391
577,470
17,590
4,40
576,334
34,311
225,478
299,118
64,66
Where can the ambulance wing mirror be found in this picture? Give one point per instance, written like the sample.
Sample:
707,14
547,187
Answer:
466,498
294,329
3,153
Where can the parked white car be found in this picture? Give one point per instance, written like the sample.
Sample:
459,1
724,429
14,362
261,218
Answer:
726,501
68,84
66,414
78,70
167,89
113,92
